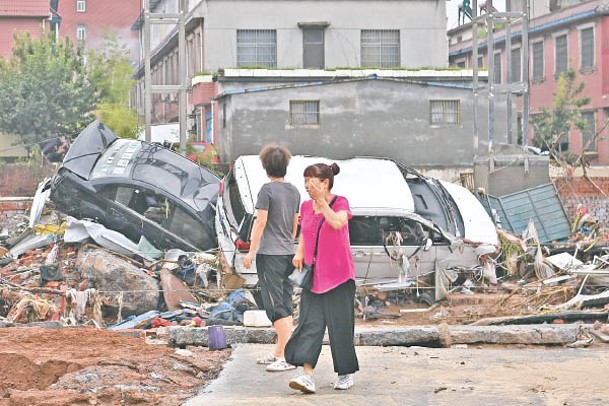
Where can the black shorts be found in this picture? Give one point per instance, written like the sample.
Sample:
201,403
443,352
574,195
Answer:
275,288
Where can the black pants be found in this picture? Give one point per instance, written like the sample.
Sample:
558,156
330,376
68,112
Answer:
333,309
275,288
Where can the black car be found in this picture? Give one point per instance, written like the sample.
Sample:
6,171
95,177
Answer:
138,189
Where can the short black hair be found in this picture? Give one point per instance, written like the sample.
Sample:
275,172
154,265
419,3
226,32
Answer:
275,160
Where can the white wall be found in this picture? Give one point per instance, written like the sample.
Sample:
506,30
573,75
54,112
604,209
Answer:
422,25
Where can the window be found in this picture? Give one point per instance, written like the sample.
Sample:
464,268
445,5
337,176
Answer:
589,131
374,230
257,48
380,48
538,67
304,112
587,48
480,62
313,48
444,112
81,6
81,32
561,54
515,69
461,63
497,70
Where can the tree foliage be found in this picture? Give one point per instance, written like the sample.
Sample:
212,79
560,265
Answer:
113,76
44,89
554,122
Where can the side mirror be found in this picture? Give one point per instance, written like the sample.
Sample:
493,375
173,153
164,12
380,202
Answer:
428,244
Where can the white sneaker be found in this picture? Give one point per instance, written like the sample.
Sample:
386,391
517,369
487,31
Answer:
344,382
304,383
279,365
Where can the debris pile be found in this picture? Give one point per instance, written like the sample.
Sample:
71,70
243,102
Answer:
79,273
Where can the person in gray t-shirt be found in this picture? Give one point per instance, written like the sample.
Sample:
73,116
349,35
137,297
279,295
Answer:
272,241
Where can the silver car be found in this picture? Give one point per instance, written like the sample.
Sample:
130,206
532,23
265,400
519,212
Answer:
404,224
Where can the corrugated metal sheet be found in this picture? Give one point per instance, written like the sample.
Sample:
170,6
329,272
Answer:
541,204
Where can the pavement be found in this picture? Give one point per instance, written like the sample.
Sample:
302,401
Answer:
478,365
469,375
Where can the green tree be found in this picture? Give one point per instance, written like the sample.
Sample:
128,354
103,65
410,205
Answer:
44,89
553,123
113,77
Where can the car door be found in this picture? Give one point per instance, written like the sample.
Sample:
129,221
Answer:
233,223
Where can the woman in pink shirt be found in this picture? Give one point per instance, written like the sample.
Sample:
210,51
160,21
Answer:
329,303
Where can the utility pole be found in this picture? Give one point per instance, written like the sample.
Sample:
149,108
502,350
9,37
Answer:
178,18
494,85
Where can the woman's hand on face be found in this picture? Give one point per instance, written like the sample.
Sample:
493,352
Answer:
297,262
316,191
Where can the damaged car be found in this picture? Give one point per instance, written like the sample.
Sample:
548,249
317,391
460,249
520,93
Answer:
403,225
139,189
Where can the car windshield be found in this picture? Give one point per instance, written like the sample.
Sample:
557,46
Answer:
373,230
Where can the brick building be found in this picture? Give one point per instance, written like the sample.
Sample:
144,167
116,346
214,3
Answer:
17,16
86,20
572,34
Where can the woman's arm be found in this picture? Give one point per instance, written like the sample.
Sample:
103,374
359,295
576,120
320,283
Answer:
336,220
257,230
298,259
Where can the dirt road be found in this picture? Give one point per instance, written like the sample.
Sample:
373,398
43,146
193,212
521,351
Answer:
98,367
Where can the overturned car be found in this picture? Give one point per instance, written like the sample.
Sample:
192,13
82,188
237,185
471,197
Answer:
404,224
138,189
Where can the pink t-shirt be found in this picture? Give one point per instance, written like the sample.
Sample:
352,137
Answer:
334,264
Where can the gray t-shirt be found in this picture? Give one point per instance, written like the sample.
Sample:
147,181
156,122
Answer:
282,201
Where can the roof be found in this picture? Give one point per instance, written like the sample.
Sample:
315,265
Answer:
24,8
358,180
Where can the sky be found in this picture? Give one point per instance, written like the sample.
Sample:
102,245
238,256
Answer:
452,11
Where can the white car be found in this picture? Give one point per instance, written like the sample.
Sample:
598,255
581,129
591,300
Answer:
403,224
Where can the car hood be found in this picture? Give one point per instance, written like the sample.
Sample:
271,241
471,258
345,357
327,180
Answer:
479,227
87,148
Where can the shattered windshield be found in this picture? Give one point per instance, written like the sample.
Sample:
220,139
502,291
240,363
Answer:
117,160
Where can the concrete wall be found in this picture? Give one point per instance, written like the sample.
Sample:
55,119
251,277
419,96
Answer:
364,117
507,174
422,25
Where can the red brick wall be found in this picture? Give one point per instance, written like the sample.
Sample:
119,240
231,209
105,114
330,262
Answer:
12,206
575,191
10,26
21,180
118,15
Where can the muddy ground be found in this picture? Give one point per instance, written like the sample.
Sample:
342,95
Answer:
78,366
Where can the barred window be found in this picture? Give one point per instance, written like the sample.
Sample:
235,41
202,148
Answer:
587,48
81,6
444,112
562,55
497,70
304,112
257,48
380,48
516,71
538,68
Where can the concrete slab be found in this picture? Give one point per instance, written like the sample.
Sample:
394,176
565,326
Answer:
423,376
